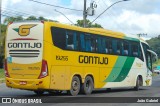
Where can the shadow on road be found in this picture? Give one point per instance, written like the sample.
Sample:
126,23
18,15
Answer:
102,91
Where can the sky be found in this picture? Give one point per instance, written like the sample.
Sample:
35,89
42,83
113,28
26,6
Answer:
131,17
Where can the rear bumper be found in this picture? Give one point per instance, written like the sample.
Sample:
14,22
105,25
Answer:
32,84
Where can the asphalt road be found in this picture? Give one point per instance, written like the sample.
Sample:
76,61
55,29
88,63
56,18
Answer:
153,91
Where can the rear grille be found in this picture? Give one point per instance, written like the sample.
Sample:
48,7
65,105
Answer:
24,53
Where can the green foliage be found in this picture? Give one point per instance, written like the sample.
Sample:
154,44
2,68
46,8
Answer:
1,74
20,18
88,23
31,18
157,63
42,18
2,40
155,44
12,19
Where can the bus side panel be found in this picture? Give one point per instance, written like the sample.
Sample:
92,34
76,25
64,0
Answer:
57,77
61,76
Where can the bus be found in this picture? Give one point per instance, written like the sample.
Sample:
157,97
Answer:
52,57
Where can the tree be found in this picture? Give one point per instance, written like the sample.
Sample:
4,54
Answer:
158,36
12,19
88,23
154,44
31,18
42,18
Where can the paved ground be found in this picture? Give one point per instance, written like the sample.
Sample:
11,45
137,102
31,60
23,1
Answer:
153,91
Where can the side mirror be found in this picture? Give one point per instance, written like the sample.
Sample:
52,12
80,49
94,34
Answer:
154,55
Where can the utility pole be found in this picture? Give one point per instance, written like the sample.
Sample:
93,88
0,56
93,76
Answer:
84,14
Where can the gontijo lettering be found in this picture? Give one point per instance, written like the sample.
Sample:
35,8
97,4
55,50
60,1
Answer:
24,45
93,60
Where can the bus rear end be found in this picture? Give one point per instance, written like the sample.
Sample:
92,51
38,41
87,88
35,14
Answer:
24,66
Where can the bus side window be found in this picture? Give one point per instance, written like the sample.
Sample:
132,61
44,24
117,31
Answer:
104,45
119,47
88,43
93,44
77,43
99,44
134,50
125,48
70,40
110,47
82,42
58,37
114,46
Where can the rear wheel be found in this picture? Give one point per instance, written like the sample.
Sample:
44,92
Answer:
75,86
88,85
137,84
39,92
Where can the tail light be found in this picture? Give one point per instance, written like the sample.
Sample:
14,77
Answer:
44,69
6,68
10,23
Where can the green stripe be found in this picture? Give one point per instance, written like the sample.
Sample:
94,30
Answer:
16,29
125,70
116,69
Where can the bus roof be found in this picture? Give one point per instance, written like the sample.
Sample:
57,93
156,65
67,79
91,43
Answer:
99,31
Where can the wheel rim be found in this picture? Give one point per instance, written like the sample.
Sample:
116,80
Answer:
88,86
75,85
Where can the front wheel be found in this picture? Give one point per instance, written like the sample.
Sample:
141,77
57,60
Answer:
137,84
88,86
75,86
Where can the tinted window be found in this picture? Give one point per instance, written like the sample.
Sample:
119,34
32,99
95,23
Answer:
126,48
58,37
86,42
134,49
69,40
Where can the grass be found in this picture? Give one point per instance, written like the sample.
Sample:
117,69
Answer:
154,74
1,73
2,76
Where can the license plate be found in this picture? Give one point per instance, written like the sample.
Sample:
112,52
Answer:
23,82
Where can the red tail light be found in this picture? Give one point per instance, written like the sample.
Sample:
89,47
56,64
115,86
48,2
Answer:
6,68
10,23
42,21
44,69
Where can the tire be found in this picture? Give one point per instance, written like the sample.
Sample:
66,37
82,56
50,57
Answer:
88,86
136,88
75,86
39,92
